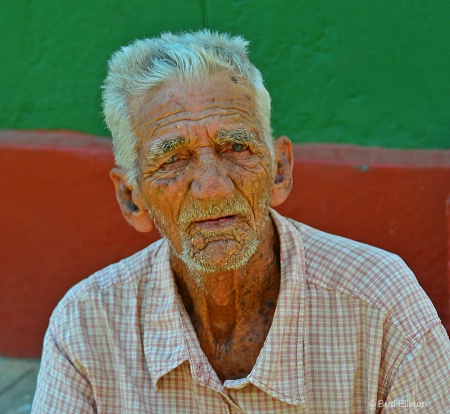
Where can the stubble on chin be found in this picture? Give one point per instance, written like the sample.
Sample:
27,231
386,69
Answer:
207,251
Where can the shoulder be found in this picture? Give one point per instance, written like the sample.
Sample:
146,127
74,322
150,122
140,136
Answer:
369,274
113,279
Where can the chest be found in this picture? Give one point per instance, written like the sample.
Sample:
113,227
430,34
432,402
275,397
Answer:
234,356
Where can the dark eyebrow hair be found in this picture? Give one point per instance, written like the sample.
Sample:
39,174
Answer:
239,136
162,146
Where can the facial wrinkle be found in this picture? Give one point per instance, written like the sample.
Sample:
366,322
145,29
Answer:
210,112
160,119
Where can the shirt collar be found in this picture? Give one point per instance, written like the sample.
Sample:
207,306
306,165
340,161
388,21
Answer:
169,337
280,368
164,339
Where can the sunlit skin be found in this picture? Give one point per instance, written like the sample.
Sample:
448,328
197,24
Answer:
206,179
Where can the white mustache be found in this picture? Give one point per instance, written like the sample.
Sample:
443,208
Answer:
199,210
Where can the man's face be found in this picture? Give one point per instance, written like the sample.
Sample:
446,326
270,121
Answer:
205,171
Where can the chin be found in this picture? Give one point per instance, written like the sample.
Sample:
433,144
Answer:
215,259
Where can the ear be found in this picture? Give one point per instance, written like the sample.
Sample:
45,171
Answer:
133,206
282,171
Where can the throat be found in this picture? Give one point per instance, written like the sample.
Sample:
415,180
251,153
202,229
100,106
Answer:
232,334
232,340
220,290
232,312
222,320
219,311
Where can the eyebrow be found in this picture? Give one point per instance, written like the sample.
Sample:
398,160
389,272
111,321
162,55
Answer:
161,147
238,136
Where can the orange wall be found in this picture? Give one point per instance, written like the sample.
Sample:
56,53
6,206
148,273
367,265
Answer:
59,220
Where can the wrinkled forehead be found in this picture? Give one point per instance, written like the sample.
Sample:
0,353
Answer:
219,84
223,97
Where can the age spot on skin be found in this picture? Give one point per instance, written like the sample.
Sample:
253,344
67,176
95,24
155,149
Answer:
233,79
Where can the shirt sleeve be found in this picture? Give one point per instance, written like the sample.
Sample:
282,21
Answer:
61,388
422,381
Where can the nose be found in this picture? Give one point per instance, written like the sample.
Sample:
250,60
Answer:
211,178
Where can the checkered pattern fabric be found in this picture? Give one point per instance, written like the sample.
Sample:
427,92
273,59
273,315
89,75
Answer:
353,332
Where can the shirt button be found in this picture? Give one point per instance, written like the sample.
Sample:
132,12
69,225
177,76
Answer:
200,369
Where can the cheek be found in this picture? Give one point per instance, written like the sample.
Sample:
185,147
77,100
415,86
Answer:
256,165
253,180
165,200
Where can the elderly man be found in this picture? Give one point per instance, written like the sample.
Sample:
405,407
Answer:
237,309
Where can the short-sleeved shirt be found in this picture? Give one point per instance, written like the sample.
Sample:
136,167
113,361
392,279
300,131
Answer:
353,332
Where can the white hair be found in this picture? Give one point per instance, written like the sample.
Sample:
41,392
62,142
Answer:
134,70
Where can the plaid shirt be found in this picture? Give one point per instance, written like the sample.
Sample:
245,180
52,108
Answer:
353,332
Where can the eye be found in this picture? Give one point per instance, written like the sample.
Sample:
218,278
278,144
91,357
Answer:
170,163
236,147
172,159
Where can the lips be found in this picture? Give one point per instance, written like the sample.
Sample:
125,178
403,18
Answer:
217,223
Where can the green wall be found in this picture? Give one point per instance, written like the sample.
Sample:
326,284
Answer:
364,72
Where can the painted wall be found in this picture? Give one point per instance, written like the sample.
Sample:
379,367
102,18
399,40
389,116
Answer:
361,72
60,221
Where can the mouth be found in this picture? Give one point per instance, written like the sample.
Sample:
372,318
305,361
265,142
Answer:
217,222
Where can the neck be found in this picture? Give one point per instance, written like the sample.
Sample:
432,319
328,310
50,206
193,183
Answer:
232,311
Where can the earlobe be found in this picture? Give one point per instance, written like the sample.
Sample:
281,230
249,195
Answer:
282,173
131,202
